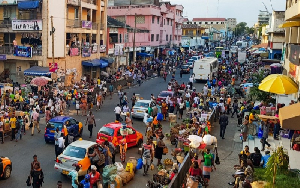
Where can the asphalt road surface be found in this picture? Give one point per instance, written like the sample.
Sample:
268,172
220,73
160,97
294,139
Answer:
21,152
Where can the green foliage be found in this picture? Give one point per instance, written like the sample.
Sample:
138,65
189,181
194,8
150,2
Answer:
240,28
250,30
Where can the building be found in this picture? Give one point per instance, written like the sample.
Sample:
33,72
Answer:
231,23
217,23
78,31
263,17
192,30
162,19
276,35
291,47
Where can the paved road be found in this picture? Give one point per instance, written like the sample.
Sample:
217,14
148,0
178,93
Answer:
21,152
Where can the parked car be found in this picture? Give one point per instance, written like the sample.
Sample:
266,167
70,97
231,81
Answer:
111,133
65,125
141,106
75,154
5,167
185,68
163,95
191,65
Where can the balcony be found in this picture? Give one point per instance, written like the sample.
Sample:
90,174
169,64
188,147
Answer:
73,2
292,12
94,2
5,23
74,23
9,50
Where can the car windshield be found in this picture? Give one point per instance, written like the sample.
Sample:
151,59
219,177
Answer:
73,151
107,131
194,58
190,60
184,66
141,104
189,63
164,94
53,125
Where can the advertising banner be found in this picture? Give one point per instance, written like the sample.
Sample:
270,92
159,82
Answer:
103,48
294,54
86,52
23,51
53,67
87,24
27,25
8,2
2,57
74,52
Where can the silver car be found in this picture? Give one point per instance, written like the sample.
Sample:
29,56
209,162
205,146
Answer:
75,154
141,106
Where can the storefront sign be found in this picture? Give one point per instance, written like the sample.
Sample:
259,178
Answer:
294,54
73,2
103,48
23,51
87,24
113,30
2,57
8,2
53,67
27,25
74,52
86,52
94,48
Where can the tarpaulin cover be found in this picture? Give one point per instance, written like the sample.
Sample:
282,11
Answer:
37,70
93,63
28,5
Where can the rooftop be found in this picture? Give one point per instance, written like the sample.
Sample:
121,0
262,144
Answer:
209,19
190,26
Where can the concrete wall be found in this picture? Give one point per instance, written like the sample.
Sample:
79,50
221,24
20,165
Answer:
57,9
134,2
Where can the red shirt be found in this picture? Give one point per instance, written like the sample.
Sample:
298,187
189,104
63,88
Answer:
195,172
94,178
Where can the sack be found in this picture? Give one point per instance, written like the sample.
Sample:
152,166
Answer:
126,176
129,167
139,164
101,160
165,150
109,170
119,166
133,161
296,147
28,181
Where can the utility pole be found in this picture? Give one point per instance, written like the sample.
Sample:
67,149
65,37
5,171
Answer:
134,31
52,34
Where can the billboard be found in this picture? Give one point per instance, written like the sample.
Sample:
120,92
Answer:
27,25
87,24
8,2
294,54
23,51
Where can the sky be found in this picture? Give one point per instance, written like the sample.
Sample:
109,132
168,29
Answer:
243,10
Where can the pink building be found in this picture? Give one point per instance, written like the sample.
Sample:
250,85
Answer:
158,26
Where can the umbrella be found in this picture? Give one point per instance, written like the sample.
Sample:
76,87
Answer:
278,84
39,81
195,141
262,49
47,78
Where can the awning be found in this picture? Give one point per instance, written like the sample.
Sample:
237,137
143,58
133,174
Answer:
24,5
37,71
289,117
93,63
103,64
289,24
144,54
205,37
107,59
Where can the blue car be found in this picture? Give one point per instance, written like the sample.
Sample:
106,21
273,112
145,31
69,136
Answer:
65,124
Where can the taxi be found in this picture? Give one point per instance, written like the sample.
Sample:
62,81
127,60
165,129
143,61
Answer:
75,154
111,132
65,125
5,167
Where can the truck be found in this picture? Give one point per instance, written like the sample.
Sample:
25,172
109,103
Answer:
205,68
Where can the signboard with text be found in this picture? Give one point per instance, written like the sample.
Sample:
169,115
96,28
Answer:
103,48
23,51
53,67
86,52
87,24
2,57
27,25
74,52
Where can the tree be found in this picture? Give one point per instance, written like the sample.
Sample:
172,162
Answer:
250,30
240,28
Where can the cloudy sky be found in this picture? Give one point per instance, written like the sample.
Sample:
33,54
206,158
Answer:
243,10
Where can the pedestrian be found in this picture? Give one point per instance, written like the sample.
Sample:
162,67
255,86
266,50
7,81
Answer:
245,127
59,184
98,102
235,107
34,162
223,121
133,99
181,108
159,149
191,80
56,137
126,108
111,90
74,176
37,176
85,183
77,106
128,120
118,112
12,123
2,131
19,126
265,128
36,119
147,156
95,177
90,121
48,114
112,150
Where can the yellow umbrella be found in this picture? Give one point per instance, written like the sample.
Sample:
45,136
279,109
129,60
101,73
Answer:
278,84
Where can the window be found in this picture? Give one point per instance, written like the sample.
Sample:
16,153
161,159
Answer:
171,22
76,13
168,21
140,19
170,37
120,38
152,37
217,22
73,151
157,37
200,22
195,23
157,20
113,37
205,22
164,21
153,19
167,37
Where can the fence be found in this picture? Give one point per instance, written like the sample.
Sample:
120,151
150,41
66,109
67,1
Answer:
9,50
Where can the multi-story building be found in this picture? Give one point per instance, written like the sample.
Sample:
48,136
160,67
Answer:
216,23
161,19
27,28
276,35
231,23
263,17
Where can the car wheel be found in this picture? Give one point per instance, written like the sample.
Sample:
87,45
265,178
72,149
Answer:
139,144
7,172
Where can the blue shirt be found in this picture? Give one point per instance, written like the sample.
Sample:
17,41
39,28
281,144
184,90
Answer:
74,176
187,104
265,160
85,184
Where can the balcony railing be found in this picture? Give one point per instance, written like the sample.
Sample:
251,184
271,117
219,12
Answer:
74,23
95,26
5,23
9,50
90,1
102,26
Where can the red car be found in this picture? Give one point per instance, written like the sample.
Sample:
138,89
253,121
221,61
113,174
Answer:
163,95
111,133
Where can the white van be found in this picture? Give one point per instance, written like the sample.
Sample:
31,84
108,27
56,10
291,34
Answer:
204,68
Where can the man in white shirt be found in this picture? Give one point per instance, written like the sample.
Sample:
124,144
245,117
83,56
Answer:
61,144
118,111
191,80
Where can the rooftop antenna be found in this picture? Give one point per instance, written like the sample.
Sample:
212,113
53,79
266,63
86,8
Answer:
265,7
271,5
